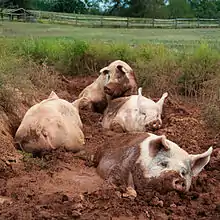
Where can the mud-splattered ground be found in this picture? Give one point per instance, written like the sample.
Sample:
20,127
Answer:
61,185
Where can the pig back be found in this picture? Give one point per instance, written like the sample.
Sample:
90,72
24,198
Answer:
49,125
116,164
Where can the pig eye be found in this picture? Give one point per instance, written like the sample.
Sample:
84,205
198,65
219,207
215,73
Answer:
164,164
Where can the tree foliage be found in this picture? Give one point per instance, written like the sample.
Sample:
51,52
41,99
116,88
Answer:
206,8
145,8
130,8
68,6
164,8
180,9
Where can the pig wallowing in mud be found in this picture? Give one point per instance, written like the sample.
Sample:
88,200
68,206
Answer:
115,80
51,124
153,158
134,114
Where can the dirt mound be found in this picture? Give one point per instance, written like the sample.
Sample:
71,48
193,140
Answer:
10,119
61,185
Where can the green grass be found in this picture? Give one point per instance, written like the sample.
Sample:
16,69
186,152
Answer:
174,38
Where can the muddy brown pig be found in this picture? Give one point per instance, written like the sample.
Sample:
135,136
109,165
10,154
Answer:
115,80
155,159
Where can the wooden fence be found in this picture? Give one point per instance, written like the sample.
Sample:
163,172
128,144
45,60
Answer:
105,21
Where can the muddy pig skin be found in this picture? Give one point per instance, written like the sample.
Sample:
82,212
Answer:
115,80
51,124
153,159
134,114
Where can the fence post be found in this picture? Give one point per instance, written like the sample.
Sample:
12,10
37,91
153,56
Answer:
127,22
153,22
175,23
145,22
198,22
25,17
76,19
101,21
219,22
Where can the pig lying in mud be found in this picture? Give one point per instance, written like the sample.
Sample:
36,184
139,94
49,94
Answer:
151,159
51,124
116,80
134,114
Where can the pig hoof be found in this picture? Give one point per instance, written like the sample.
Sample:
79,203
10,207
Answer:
131,193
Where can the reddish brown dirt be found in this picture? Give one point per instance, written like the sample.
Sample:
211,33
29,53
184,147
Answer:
62,186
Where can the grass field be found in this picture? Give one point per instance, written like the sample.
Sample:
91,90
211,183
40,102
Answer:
174,38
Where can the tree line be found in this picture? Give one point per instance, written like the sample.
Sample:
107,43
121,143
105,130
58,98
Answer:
128,8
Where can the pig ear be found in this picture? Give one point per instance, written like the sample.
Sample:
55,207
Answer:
77,102
140,91
83,101
104,70
53,95
139,98
122,70
198,161
160,103
157,144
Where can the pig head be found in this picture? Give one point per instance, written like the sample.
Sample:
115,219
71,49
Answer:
51,124
120,79
115,80
154,159
134,114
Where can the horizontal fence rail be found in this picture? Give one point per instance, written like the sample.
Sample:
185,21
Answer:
105,21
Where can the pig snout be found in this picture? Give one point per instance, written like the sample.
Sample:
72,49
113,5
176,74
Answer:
108,90
113,89
179,184
171,180
154,125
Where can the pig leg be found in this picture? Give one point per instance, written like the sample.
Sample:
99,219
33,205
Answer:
47,139
116,127
118,177
131,192
85,104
